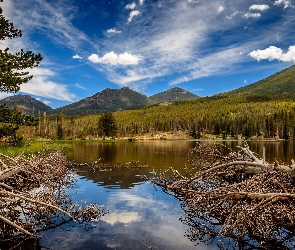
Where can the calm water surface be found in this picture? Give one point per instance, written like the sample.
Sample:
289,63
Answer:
140,215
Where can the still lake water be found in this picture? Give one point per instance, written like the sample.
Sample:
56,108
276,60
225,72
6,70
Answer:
139,215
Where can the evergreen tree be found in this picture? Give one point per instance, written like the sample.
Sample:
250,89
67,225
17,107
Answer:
13,67
106,125
59,132
10,121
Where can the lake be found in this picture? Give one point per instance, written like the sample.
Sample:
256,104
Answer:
139,215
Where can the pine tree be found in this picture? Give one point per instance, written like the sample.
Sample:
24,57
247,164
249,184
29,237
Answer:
106,125
13,67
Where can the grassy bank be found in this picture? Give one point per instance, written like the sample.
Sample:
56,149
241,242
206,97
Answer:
34,146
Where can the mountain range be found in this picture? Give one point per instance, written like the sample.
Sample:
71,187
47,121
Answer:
108,100
280,85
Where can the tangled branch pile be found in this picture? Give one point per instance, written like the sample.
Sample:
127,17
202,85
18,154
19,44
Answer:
235,194
33,197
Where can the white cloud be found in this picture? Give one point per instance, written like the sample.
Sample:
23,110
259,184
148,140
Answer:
196,90
130,6
122,217
220,9
77,57
252,15
133,14
273,53
233,15
55,23
40,85
260,7
80,86
211,64
141,2
114,59
113,31
46,102
132,78
286,3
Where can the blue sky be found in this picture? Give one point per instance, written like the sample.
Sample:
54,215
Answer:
150,46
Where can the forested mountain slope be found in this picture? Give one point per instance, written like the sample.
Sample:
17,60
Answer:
108,100
282,82
111,100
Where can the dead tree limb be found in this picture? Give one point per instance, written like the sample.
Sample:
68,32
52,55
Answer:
36,201
243,163
15,226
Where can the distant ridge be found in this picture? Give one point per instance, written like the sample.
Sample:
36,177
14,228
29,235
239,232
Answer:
26,104
174,94
108,100
279,83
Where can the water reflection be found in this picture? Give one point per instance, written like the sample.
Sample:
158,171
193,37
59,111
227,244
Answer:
164,154
155,155
138,217
139,214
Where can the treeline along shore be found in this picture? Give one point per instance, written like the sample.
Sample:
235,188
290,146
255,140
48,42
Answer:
254,117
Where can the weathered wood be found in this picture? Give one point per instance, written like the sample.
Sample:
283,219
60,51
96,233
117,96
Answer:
243,163
15,226
7,173
36,201
10,158
254,196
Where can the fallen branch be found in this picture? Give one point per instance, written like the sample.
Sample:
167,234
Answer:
243,163
36,201
9,158
15,226
253,196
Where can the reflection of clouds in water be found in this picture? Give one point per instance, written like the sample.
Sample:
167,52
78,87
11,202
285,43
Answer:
123,217
158,215
138,217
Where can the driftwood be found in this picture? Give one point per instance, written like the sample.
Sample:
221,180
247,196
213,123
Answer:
235,194
33,197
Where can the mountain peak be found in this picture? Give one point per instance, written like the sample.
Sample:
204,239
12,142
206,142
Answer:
108,100
174,94
26,104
